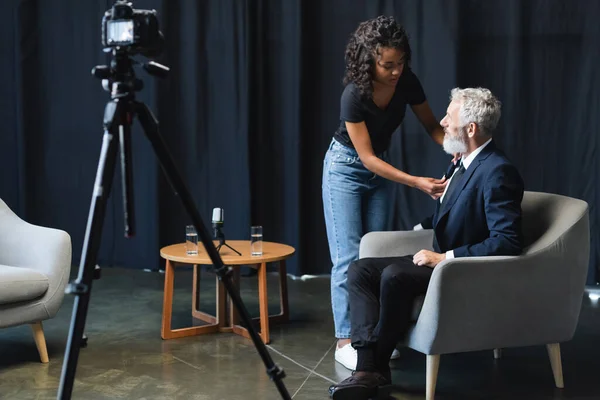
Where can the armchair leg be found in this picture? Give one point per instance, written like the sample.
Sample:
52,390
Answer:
433,363
556,363
40,341
497,354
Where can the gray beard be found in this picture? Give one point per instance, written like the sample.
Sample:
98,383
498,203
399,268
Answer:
455,145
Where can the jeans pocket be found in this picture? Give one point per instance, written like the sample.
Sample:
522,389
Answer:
342,159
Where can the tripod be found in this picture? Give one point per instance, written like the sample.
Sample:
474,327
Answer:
118,116
221,236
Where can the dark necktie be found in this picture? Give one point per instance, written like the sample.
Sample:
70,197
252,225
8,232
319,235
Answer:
455,180
450,169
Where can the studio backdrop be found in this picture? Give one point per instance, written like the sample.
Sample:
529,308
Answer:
252,101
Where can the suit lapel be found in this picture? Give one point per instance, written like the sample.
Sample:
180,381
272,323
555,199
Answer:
436,213
444,208
449,202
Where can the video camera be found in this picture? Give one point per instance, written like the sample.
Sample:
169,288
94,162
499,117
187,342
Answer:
132,31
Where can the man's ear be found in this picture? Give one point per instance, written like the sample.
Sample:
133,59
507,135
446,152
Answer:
472,130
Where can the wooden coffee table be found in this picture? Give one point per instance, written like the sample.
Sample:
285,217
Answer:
272,252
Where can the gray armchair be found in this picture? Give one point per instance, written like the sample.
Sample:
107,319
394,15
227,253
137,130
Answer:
480,303
34,269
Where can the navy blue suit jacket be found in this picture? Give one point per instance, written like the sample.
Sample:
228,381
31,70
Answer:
482,216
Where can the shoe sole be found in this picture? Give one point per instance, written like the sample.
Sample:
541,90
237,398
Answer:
352,368
354,393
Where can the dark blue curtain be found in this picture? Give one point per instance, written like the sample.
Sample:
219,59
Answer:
253,99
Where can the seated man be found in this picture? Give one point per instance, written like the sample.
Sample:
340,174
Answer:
479,214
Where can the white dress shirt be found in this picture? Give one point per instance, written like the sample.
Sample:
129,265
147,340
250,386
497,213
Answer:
466,163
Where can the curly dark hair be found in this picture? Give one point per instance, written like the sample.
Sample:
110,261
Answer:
365,43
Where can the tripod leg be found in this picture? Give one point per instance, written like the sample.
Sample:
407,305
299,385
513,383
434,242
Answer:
126,160
238,253
82,286
150,127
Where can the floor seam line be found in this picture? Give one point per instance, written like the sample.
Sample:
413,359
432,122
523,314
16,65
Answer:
312,371
187,363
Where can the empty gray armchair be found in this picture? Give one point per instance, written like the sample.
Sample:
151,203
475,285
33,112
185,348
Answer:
34,269
480,303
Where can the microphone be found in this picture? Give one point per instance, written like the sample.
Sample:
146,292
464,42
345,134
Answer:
218,220
218,216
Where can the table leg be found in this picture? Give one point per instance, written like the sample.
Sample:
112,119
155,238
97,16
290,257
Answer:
222,306
196,313
234,318
264,319
283,294
166,331
167,300
263,302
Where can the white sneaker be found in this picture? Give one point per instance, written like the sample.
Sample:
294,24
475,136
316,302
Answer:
348,357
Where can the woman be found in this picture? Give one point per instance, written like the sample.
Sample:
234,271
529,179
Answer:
356,172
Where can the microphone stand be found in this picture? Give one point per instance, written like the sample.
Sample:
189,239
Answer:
218,233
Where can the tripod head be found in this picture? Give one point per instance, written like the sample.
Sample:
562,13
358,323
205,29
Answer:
119,78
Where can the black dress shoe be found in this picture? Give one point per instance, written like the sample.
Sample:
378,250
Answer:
362,385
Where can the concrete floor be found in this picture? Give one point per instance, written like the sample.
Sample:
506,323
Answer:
127,359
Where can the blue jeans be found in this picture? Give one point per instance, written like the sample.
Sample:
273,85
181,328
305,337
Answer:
355,201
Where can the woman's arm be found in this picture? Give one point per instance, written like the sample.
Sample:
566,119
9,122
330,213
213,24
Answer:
429,122
362,143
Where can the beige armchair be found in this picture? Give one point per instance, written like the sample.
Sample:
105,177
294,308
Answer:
481,303
34,269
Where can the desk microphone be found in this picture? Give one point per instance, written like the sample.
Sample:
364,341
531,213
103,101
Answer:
218,220
218,216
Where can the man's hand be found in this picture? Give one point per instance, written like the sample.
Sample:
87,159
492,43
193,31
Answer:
428,258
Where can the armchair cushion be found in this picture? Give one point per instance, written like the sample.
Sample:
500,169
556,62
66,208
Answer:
21,284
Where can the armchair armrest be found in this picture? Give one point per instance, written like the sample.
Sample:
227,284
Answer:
45,250
395,244
479,303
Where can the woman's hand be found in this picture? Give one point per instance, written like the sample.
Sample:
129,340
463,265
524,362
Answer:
457,157
433,187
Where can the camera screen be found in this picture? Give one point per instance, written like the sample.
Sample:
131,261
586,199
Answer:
119,32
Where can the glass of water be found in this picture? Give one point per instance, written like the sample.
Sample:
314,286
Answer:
256,240
191,240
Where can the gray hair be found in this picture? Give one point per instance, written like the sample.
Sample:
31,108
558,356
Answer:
478,106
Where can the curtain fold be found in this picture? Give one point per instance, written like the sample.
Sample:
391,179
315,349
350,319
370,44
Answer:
252,101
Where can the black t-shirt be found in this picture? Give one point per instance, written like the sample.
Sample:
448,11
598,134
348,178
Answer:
380,123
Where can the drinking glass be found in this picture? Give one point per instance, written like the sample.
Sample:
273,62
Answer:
256,241
191,240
